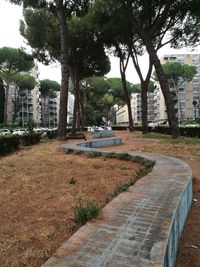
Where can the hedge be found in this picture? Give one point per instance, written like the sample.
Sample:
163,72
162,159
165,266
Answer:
184,131
10,143
30,139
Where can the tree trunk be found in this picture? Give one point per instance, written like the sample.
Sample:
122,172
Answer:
144,87
74,117
6,104
164,87
128,102
62,127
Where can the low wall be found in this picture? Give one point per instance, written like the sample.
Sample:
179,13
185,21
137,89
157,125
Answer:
104,134
140,227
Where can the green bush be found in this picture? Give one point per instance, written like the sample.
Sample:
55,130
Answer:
52,134
82,214
9,144
30,139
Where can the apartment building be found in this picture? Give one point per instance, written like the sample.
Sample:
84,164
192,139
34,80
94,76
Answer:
136,107
122,116
70,108
50,107
24,105
187,93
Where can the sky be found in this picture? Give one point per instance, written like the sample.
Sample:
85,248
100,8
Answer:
10,16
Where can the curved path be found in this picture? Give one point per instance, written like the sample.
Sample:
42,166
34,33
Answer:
140,227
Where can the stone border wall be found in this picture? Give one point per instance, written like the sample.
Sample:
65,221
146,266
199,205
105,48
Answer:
104,134
140,227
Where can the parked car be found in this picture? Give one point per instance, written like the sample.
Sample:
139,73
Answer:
98,129
5,132
19,131
90,129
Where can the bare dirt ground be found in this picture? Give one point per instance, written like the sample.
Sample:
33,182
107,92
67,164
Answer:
189,247
37,197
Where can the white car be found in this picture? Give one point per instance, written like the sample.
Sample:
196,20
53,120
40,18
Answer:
5,132
19,131
90,129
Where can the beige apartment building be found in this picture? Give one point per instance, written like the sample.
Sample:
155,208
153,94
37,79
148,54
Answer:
187,93
28,103
136,107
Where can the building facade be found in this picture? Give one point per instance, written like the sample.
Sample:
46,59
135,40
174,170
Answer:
188,93
24,105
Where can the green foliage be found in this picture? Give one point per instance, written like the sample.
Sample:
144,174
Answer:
119,189
178,72
24,81
48,85
82,214
92,116
116,90
94,154
30,125
30,138
9,144
52,134
14,60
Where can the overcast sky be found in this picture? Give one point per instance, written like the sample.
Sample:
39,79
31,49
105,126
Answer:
9,36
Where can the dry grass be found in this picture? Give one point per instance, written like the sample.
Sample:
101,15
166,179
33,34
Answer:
39,187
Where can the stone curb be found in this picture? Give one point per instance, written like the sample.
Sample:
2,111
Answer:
140,227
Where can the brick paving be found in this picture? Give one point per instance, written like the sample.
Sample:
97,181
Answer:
140,227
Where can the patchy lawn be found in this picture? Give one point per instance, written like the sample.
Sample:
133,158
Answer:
39,186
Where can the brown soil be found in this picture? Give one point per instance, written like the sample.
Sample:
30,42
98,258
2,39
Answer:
37,198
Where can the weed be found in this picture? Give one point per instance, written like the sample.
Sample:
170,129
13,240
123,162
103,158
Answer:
94,154
121,156
77,152
82,214
72,180
97,166
119,189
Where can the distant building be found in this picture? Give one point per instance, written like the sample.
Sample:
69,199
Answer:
136,108
122,116
24,105
187,93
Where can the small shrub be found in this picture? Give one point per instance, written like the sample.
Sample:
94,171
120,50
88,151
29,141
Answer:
82,214
119,189
72,180
52,134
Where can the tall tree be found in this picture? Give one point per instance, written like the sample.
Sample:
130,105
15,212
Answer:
110,26
86,53
12,61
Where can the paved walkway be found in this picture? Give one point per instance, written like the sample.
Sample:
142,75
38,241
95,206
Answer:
138,228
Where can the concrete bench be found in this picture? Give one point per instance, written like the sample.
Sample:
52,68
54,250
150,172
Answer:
140,227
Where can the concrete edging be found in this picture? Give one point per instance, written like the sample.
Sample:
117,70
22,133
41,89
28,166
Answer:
140,227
